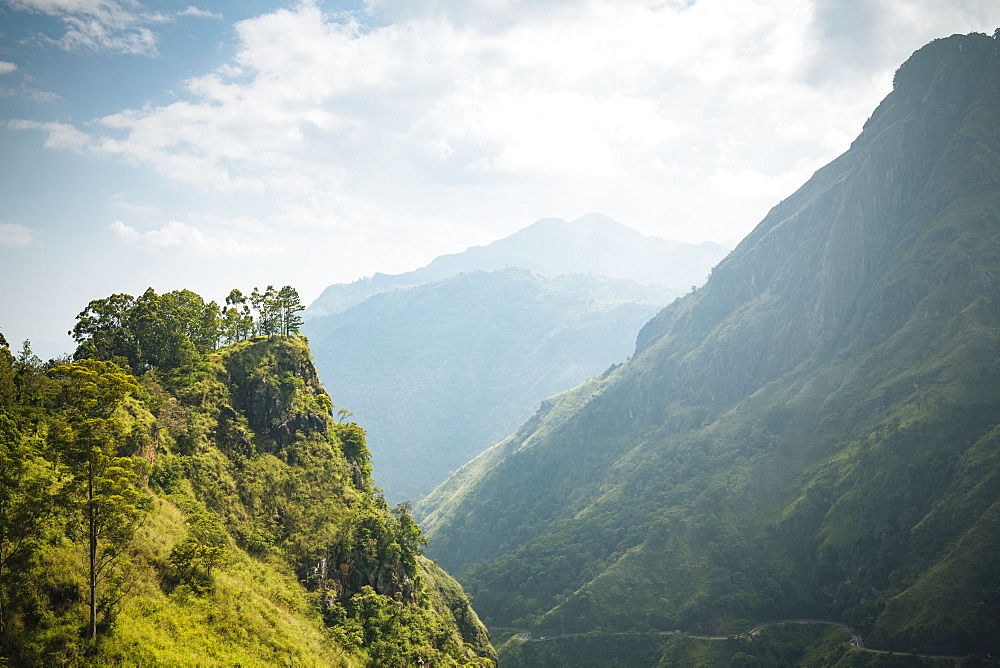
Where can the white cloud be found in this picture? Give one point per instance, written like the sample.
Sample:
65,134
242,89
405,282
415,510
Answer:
98,25
119,26
28,93
696,114
14,235
86,33
60,135
120,201
179,237
23,90
199,13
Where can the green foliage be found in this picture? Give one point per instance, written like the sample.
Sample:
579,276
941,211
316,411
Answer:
7,375
176,329
352,443
277,310
194,558
202,514
289,305
154,331
103,330
29,500
89,440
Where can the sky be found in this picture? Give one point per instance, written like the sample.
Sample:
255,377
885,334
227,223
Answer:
224,145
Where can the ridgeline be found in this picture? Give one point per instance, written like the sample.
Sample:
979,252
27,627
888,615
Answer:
814,433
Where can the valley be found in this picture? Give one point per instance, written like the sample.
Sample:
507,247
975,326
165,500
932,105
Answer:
443,362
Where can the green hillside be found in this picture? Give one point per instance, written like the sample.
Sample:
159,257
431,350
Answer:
206,510
814,433
438,373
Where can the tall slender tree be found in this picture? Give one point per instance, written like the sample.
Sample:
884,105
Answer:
90,437
237,320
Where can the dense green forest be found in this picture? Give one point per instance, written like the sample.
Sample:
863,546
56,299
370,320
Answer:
172,330
811,434
164,501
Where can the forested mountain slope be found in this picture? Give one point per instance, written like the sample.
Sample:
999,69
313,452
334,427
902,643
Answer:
440,372
202,509
593,244
815,432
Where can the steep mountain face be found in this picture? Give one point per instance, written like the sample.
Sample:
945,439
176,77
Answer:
815,432
438,373
593,244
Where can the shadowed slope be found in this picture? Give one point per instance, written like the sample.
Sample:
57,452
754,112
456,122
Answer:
812,433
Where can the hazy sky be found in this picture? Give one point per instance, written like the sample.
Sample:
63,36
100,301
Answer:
234,144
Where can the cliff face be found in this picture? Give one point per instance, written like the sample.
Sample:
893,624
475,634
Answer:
278,390
827,264
304,487
788,439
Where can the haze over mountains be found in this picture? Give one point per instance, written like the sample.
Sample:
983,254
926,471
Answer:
795,464
437,371
593,244
813,433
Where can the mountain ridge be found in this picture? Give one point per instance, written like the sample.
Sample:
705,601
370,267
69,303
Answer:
593,244
786,439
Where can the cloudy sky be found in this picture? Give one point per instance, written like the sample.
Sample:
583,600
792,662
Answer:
233,144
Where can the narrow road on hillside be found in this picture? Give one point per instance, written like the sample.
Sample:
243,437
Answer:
855,640
855,636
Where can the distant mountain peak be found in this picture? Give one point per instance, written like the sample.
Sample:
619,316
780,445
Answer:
592,244
589,224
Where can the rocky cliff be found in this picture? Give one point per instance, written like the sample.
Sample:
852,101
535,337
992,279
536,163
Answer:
317,500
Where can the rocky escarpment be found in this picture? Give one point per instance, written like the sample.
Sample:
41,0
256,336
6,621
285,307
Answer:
814,264
275,409
278,390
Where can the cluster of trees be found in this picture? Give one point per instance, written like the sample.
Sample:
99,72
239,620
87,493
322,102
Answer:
91,454
262,313
171,330
69,468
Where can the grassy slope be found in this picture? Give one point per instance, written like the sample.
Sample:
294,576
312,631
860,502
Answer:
256,613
